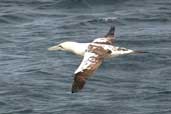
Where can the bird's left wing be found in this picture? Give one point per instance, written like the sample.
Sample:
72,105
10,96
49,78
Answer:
92,60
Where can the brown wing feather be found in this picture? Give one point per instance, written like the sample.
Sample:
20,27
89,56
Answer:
79,81
108,38
111,32
90,63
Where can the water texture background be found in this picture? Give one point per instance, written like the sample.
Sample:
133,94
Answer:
36,81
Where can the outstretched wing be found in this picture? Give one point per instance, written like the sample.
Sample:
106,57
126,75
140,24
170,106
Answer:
108,38
92,60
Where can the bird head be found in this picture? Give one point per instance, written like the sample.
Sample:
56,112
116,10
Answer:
62,46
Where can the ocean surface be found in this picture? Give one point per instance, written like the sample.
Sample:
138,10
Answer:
34,80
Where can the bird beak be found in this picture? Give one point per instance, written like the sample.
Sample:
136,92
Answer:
54,48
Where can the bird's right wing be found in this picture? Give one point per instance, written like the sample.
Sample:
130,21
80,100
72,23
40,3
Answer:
111,32
93,58
108,39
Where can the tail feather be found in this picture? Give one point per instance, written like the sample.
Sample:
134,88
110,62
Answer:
140,52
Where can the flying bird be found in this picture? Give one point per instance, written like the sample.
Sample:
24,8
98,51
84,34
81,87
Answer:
93,54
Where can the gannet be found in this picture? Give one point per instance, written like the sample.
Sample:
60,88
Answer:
93,54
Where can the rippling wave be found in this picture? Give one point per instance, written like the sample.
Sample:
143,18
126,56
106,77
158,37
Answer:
34,80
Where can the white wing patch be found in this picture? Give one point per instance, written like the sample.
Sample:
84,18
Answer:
100,40
108,41
86,62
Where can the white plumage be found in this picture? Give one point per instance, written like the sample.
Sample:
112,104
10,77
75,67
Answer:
93,54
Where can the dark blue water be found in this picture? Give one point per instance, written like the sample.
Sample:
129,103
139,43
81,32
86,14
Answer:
35,81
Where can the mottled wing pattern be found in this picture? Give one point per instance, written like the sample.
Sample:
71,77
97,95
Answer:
92,60
108,38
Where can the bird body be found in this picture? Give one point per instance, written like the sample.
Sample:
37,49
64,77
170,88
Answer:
93,54
80,48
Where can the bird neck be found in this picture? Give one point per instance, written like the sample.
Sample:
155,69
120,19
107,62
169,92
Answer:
77,48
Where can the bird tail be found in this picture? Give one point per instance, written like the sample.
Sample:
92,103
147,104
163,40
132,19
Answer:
140,52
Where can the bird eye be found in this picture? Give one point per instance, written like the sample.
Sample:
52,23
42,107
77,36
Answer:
60,46
124,49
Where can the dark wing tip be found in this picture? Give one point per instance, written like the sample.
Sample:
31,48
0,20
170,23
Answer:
78,84
111,32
